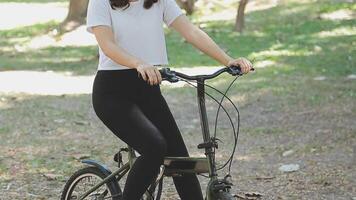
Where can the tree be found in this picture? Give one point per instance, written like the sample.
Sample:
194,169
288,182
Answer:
187,5
240,17
76,15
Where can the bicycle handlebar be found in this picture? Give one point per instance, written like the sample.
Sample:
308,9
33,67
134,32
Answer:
172,76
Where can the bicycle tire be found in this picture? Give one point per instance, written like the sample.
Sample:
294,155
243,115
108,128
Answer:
223,196
90,171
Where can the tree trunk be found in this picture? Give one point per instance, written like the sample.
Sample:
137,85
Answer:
76,15
187,5
240,18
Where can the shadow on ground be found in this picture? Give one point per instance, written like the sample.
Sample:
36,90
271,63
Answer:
42,138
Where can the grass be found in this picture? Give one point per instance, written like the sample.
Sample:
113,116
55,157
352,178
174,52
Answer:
80,60
289,36
290,40
282,106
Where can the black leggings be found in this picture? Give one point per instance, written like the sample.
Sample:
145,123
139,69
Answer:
138,114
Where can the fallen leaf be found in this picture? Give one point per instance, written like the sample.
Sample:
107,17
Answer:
81,123
287,153
289,168
51,176
80,156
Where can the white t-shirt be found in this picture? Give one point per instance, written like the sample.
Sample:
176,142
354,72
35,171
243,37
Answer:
137,30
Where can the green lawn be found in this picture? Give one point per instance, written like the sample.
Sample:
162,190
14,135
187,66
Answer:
289,36
290,39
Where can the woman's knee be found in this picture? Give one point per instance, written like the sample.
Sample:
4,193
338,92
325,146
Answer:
158,149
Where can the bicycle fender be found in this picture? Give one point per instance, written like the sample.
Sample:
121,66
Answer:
107,172
102,168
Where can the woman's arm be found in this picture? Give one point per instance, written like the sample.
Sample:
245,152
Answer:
106,41
204,43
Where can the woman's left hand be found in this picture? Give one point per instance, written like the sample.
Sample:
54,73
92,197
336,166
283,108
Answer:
244,64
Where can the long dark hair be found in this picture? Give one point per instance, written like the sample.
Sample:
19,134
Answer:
126,3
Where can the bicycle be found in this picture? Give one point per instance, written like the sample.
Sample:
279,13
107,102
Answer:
104,184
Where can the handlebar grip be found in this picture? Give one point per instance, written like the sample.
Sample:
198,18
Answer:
236,70
168,75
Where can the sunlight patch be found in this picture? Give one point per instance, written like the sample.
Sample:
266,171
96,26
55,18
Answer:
78,37
264,63
26,14
260,5
293,10
240,99
229,9
54,83
39,42
284,52
343,14
341,31
44,83
4,105
246,158
227,14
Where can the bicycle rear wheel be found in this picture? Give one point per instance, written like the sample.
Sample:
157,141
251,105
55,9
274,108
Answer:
84,179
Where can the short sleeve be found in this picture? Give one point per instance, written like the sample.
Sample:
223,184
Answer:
98,14
170,11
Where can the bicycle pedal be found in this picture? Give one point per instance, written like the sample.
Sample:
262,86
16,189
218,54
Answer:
118,157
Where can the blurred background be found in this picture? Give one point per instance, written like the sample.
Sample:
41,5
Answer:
298,110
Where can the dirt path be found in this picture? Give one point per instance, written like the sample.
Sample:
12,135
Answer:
54,83
42,137
31,13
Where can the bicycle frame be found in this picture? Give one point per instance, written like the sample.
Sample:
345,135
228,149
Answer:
205,128
210,154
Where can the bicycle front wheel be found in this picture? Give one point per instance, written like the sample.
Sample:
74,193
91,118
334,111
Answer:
224,196
83,180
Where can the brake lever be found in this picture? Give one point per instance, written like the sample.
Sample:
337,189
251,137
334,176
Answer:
236,70
168,75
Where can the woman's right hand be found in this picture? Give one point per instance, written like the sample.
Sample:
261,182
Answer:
150,74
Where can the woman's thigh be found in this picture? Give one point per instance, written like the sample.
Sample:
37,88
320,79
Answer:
157,110
127,121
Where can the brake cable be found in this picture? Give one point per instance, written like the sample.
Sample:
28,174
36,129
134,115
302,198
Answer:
235,133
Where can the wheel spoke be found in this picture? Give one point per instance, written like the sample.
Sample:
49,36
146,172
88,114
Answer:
83,184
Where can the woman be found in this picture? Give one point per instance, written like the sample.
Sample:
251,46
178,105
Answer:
126,92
